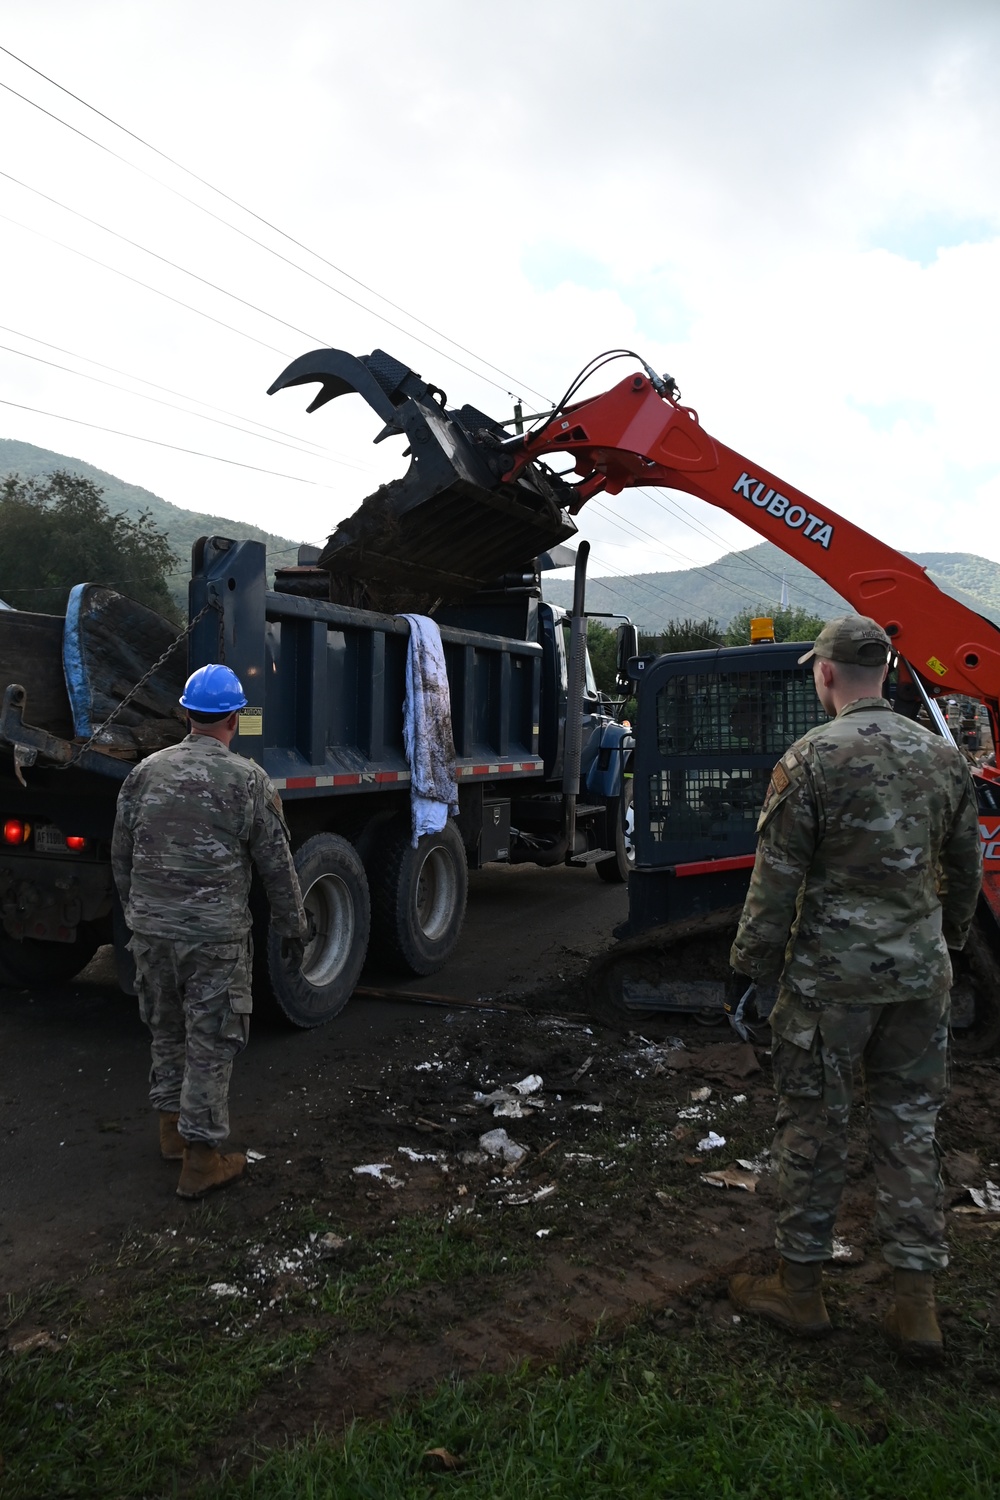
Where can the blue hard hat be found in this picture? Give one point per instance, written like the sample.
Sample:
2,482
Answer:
213,690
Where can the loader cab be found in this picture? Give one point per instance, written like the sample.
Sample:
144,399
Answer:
710,726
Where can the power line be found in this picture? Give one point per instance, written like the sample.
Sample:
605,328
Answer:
260,219
178,302
158,443
128,375
260,436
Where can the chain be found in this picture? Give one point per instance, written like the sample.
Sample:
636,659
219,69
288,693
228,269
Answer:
158,663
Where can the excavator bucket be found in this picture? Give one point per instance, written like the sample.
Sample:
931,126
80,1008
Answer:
450,526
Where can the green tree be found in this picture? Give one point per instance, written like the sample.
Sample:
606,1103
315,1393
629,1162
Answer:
57,531
682,635
789,624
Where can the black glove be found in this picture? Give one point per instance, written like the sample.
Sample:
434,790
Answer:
293,952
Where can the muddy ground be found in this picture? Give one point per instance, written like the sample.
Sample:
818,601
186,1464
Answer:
373,1125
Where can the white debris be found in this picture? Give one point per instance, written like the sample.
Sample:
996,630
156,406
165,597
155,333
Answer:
701,1096
512,1109
429,1067
590,1109
711,1142
842,1250
378,1169
412,1155
472,1158
692,1112
757,1164
517,1200
499,1143
255,1156
987,1199
541,1233
738,1099
331,1241
223,1289
529,1085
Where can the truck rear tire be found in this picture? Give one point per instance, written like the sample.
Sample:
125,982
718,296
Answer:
29,963
619,817
335,895
418,897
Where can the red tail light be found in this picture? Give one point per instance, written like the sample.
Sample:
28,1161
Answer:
75,842
16,831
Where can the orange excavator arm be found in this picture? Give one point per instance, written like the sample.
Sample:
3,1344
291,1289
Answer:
637,433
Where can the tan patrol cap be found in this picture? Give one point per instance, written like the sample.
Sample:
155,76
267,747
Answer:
854,640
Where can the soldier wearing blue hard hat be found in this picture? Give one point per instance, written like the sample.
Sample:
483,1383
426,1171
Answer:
191,821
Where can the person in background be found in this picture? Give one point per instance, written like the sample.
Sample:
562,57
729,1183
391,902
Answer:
191,821
867,872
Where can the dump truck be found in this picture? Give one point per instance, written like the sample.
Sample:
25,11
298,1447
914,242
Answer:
540,758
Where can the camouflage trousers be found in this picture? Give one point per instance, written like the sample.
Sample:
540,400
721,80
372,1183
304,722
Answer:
196,1000
901,1050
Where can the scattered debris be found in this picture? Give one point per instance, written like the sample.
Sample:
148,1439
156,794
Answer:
254,1156
379,1169
731,1177
515,1102
984,1200
701,1096
758,1164
331,1241
711,1142
440,1458
224,1289
582,1069
529,1085
590,1109
517,1200
728,1063
846,1254
412,1155
37,1339
499,1143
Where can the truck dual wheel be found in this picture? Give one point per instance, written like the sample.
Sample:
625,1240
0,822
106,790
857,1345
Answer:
25,965
618,816
335,895
418,896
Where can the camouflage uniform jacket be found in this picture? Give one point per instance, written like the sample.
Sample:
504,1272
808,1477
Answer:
868,863
190,820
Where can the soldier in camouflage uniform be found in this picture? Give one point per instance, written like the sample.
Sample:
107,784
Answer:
190,821
867,872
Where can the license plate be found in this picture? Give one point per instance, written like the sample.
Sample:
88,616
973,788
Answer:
49,839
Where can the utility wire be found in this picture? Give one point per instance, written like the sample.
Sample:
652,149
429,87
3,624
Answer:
520,385
157,443
178,302
128,375
158,401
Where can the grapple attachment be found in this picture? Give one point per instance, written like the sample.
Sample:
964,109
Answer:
450,526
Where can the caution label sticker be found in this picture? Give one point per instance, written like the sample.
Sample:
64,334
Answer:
937,666
251,721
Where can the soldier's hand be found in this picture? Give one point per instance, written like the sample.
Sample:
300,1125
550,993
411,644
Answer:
735,988
293,952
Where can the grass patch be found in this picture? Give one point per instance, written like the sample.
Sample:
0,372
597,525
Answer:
650,1417
415,1255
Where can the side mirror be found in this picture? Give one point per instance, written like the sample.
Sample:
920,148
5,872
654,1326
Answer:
628,649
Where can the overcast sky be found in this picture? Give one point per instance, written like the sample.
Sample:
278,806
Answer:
794,208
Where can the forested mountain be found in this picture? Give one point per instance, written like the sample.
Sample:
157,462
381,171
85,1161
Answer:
183,527
718,591
754,578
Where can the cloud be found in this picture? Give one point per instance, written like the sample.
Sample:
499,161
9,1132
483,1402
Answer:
793,209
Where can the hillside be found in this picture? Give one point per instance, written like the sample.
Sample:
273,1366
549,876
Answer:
754,578
183,527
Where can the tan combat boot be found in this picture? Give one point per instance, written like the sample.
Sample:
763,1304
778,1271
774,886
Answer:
206,1168
792,1297
912,1323
171,1140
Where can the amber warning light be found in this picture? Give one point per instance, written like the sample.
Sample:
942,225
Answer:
15,831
